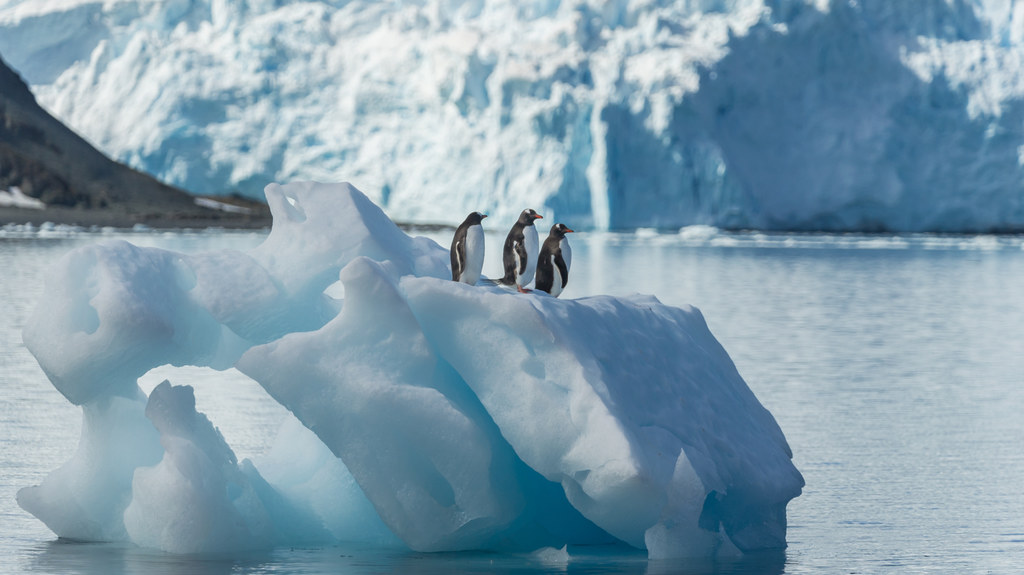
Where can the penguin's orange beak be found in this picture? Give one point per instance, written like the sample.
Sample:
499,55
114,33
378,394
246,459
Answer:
567,230
482,216
538,217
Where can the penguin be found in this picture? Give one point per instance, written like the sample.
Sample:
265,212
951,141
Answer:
520,251
468,249
554,261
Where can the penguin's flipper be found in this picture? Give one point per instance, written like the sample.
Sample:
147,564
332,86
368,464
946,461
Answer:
521,257
543,280
458,260
563,270
508,261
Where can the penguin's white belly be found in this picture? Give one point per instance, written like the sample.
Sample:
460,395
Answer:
532,246
474,255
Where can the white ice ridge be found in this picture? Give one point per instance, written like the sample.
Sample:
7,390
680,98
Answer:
435,414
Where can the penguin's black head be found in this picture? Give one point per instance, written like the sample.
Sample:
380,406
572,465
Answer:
474,218
559,230
529,216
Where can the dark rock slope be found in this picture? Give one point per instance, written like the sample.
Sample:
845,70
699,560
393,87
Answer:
78,184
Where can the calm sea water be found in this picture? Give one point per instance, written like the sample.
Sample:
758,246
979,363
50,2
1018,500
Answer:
895,366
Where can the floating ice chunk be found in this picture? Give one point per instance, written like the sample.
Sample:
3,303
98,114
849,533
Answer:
698,233
307,474
631,405
552,556
467,417
85,498
184,504
369,385
114,311
198,498
414,437
318,228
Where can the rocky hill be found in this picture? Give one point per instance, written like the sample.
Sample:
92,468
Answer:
48,162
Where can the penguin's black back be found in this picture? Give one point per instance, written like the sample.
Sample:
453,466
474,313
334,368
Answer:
458,249
551,256
514,242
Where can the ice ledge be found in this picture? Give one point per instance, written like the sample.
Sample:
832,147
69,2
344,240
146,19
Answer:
466,416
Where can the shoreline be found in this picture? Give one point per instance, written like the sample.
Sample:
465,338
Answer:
207,219
117,219
112,218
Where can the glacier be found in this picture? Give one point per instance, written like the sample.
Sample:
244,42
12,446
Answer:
427,414
834,115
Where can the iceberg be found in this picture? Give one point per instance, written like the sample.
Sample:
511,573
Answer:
427,413
770,114
198,498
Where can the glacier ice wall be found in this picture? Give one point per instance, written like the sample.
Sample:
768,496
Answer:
439,414
777,114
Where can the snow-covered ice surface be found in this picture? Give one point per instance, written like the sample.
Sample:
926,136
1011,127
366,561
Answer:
770,114
435,414
14,197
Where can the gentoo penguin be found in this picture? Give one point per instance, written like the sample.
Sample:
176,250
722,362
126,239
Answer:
468,249
520,251
554,261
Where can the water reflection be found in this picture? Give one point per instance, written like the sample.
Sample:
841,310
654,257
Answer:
892,364
76,558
